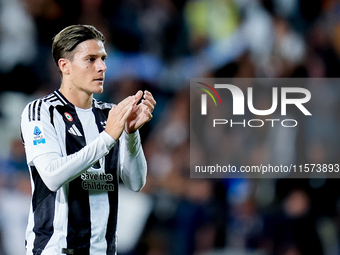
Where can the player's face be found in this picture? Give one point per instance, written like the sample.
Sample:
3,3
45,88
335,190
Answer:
87,68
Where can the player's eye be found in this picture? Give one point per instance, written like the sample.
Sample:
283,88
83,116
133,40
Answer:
103,59
91,59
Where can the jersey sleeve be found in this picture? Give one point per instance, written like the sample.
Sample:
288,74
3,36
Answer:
38,133
132,166
55,170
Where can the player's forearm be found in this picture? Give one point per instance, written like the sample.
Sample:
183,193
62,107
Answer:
56,170
133,167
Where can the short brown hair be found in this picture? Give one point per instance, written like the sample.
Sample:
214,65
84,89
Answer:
68,39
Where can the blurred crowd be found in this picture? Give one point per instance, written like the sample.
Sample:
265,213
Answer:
159,45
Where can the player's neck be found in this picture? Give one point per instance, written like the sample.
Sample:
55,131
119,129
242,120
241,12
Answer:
77,97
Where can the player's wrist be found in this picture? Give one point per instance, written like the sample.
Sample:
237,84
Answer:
132,141
108,139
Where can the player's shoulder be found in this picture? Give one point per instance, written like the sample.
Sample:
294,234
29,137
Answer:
102,105
55,98
34,108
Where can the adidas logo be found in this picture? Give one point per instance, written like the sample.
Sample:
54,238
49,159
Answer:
103,123
74,131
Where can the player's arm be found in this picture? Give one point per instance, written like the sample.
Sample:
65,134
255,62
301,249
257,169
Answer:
132,162
133,167
56,170
45,153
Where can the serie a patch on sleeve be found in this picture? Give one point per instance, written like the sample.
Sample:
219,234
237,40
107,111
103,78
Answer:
38,137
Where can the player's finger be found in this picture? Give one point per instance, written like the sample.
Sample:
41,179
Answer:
148,96
148,113
123,104
148,104
124,109
138,95
119,110
127,113
111,111
126,101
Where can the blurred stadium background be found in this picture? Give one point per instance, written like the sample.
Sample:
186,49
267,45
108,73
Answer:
159,45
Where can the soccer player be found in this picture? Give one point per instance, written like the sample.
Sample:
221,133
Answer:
77,148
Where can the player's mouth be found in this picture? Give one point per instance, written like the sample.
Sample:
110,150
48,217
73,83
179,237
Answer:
101,79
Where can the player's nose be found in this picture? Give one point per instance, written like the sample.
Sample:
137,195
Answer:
101,66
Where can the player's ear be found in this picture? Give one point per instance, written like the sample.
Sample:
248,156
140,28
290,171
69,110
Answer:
64,66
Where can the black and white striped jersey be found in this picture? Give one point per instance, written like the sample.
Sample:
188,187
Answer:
75,167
